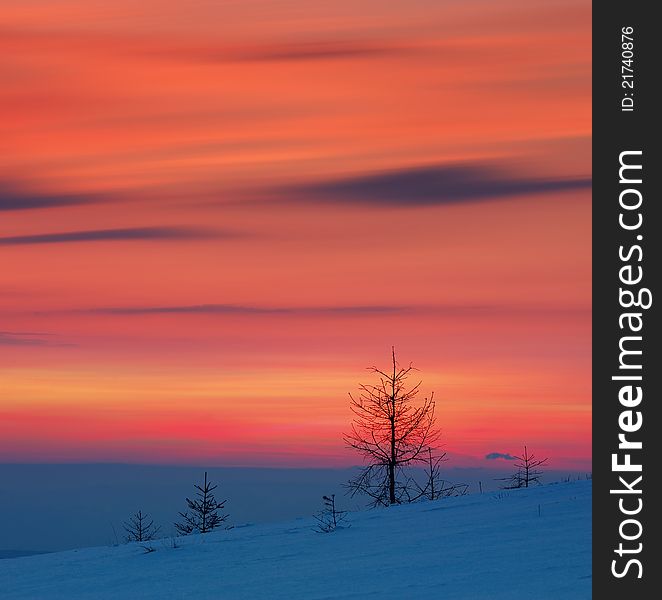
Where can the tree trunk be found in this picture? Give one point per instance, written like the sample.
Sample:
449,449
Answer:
204,507
392,462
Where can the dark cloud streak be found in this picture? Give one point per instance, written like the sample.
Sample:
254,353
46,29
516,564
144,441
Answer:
299,51
434,185
116,235
232,309
220,309
12,199
27,338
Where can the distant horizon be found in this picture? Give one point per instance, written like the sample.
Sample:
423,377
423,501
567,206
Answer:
452,461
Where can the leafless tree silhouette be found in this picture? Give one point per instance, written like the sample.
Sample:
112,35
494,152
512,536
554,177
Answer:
329,518
140,528
528,471
203,512
434,486
391,429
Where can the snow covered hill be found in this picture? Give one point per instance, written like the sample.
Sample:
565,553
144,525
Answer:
516,545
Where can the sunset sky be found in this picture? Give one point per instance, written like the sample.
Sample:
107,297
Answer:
214,215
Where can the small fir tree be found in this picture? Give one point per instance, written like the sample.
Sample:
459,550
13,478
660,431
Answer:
330,518
140,528
203,513
528,471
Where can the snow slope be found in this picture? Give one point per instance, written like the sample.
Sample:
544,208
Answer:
517,544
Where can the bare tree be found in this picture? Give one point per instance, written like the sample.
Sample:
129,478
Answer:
528,471
391,429
433,483
329,518
434,486
140,528
203,512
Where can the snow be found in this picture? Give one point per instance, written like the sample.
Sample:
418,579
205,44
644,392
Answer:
518,544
